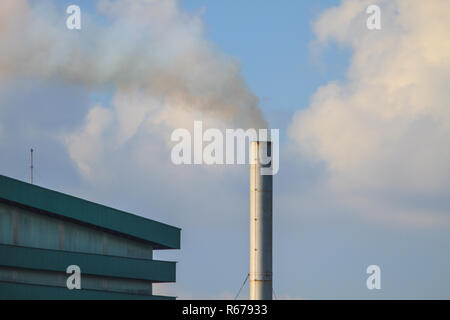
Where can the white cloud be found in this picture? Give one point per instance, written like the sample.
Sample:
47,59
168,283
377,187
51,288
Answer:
386,129
87,146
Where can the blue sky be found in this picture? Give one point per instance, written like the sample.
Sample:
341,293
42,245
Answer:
364,139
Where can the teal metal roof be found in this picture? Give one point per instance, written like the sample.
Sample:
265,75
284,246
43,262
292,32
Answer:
160,235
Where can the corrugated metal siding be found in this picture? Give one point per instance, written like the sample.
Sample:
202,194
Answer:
29,229
88,282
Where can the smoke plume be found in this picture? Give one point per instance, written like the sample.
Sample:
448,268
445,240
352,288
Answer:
148,47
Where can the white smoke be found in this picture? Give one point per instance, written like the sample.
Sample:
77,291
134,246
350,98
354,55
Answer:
154,56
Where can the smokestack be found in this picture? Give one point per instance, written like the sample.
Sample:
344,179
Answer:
260,222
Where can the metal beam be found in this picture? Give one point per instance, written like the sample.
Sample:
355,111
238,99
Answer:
20,291
93,264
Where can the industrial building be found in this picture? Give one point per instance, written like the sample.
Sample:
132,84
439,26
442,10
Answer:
43,232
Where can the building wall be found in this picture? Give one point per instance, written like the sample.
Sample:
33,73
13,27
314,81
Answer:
88,282
22,227
43,232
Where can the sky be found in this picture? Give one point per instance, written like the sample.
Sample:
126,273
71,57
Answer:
363,115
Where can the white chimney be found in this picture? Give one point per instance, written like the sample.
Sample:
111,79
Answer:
260,222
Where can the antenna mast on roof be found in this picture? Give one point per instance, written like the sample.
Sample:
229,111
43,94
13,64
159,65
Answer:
31,166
